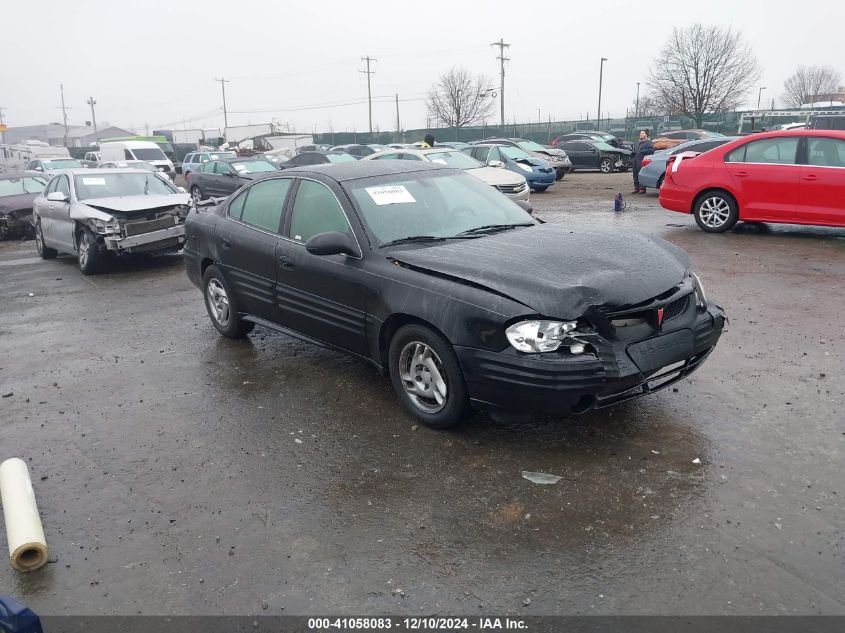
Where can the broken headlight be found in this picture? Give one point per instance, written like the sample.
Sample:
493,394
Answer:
700,297
104,226
539,336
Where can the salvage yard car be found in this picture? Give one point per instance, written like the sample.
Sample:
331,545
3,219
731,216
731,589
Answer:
452,289
555,156
17,195
537,172
225,176
793,176
90,213
586,154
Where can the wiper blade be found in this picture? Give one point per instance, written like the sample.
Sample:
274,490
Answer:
492,228
413,238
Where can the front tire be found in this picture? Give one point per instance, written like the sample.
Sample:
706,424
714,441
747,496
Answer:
426,376
606,165
44,251
88,254
540,189
716,212
222,305
196,194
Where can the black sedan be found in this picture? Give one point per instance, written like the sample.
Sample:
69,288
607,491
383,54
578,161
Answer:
17,193
452,289
223,177
317,158
586,154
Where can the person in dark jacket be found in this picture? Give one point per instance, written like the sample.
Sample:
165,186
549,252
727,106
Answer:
643,148
428,141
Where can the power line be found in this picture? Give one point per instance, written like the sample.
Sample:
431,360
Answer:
502,59
223,81
369,72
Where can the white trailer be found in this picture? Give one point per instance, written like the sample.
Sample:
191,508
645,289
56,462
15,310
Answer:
15,157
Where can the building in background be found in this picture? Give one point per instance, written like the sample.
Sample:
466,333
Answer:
54,134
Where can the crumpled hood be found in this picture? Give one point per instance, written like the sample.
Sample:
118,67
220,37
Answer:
559,270
128,204
17,202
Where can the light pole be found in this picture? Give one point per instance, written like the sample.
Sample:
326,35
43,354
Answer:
760,94
637,106
601,71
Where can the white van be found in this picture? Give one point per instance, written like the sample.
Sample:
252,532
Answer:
136,150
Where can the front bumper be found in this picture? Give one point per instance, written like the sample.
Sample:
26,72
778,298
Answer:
540,179
15,225
555,383
171,238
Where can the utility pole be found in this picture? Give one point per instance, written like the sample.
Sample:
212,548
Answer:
760,94
601,71
369,72
398,129
91,102
637,106
64,109
502,59
223,81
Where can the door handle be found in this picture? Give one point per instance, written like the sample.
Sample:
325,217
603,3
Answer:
742,174
226,243
811,177
286,262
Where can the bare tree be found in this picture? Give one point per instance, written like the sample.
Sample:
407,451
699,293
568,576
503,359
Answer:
648,106
809,84
459,99
703,69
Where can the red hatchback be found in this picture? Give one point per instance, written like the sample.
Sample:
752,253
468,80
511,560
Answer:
794,177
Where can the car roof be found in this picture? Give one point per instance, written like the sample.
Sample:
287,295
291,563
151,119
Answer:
99,171
18,176
343,172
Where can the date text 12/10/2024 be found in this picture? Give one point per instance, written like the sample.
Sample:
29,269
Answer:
416,624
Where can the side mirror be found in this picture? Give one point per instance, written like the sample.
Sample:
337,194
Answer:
526,206
56,196
495,163
181,190
38,168
230,174
330,243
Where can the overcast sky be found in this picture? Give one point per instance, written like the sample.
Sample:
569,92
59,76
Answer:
154,63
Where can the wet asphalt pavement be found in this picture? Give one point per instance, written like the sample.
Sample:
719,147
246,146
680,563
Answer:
181,473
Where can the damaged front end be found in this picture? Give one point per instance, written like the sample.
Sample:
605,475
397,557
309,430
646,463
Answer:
140,231
16,224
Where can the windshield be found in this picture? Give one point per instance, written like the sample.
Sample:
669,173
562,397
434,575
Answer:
340,158
106,185
149,153
253,166
456,159
62,163
514,153
17,186
218,155
531,146
437,204
142,165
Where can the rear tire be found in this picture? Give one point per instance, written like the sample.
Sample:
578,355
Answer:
606,166
426,376
222,306
88,254
715,212
44,251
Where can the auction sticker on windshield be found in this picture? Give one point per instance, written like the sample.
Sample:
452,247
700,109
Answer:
395,194
93,181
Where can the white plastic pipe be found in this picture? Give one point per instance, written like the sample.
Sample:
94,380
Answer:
27,545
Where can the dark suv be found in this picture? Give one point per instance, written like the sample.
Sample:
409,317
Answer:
591,135
827,122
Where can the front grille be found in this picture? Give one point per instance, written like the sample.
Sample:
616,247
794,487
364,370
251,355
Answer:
675,308
148,226
511,188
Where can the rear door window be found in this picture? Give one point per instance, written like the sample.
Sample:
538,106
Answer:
264,204
773,151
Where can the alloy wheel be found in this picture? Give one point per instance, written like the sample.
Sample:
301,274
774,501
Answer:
714,212
39,240
196,195
218,302
84,248
422,375
606,166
